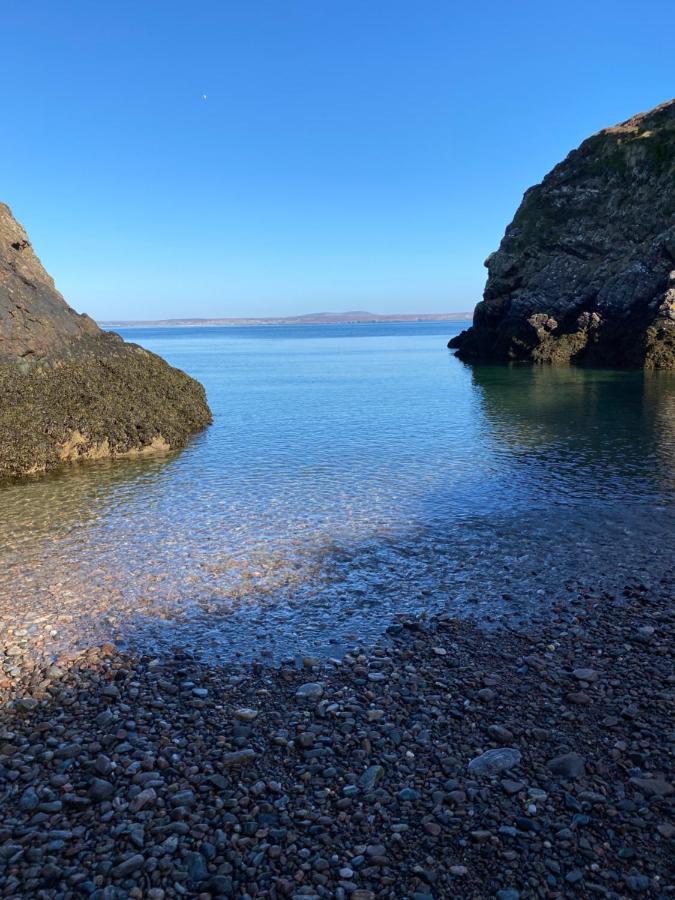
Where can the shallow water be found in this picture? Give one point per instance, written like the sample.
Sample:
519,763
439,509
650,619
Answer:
352,473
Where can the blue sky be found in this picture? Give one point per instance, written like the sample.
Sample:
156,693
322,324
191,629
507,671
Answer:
349,154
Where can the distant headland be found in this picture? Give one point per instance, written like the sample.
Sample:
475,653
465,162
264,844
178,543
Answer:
353,317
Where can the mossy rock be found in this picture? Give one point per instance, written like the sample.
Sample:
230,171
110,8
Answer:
69,391
119,401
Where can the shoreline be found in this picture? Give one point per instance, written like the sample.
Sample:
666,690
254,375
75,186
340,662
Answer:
126,776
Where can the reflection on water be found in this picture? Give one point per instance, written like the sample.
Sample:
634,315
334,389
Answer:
598,433
352,473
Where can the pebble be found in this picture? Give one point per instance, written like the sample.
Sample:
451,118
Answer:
568,765
409,795
492,762
310,691
145,798
653,787
589,675
29,800
486,695
371,777
512,787
500,734
238,757
101,790
130,865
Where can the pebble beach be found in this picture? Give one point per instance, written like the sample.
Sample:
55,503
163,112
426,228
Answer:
443,761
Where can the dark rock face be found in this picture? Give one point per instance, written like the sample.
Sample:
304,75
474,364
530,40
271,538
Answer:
71,391
585,273
35,320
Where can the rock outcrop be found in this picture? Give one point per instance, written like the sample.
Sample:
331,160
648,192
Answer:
71,391
585,273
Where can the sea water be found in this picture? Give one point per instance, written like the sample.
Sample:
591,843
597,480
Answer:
352,473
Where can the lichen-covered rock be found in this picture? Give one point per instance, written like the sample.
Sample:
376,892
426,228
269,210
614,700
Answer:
585,273
71,391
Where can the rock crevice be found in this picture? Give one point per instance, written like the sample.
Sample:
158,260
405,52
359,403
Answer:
585,272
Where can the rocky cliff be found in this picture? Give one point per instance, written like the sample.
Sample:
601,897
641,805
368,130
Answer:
585,272
69,390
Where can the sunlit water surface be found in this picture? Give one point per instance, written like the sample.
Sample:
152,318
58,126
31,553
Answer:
352,473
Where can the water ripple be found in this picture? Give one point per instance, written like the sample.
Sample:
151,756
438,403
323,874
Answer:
349,475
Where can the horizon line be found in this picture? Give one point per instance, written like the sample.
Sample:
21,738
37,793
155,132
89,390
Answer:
321,318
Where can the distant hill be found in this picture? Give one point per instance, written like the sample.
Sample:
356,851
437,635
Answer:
320,318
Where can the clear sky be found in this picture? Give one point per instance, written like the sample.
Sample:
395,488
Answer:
348,154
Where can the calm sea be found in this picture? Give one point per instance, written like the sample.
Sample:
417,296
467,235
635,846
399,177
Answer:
352,473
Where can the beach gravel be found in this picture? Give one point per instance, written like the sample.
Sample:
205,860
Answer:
163,777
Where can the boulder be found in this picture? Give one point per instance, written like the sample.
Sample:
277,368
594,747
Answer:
71,391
